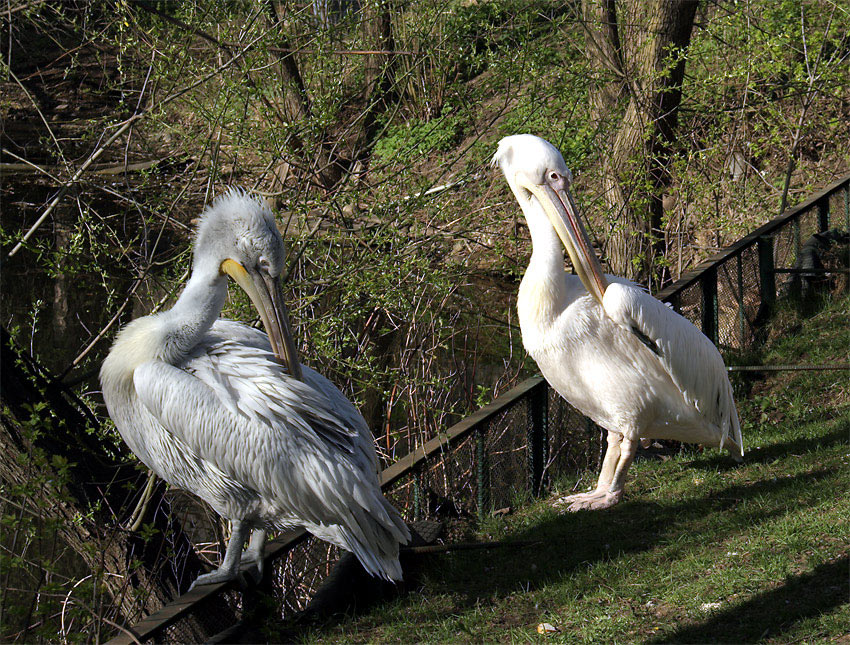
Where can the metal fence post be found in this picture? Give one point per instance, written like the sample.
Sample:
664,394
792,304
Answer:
823,214
767,278
847,207
538,439
798,242
742,330
847,216
675,302
417,495
258,606
709,304
482,483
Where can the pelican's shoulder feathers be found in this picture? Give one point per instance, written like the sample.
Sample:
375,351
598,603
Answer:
237,363
136,343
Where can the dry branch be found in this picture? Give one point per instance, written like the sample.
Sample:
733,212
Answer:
125,125
28,168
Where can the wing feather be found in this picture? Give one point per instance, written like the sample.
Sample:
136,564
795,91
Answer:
237,361
686,354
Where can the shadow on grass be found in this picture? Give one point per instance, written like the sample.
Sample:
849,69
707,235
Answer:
772,452
576,542
773,612
571,544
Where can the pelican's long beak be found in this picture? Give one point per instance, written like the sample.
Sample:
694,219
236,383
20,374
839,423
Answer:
267,296
564,216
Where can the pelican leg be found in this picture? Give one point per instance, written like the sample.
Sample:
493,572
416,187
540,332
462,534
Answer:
628,450
609,464
254,553
609,487
230,564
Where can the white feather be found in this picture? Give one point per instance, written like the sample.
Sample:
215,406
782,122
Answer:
689,358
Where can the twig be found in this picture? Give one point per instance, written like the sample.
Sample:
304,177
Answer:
73,180
100,616
186,27
103,331
293,263
38,111
26,5
809,98
66,601
121,130
154,212
6,167
114,318
121,628
281,50
341,52
98,169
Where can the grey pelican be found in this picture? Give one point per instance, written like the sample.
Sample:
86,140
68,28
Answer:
228,413
621,357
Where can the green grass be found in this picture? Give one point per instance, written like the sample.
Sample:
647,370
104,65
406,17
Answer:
701,550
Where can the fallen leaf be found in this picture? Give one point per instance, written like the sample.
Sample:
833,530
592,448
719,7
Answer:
547,628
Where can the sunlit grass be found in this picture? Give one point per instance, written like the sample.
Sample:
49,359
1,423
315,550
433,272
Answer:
701,550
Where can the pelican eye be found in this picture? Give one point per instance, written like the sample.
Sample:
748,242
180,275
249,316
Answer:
560,181
264,265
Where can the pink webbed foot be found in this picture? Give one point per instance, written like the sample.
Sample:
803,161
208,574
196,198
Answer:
593,501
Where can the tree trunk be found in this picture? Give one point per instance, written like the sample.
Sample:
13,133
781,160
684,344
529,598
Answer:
637,49
379,71
602,39
325,165
47,433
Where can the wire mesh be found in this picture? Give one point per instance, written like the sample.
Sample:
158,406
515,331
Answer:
574,440
208,618
299,573
406,495
448,482
506,448
747,284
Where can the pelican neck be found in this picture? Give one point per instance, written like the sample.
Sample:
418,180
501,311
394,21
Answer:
195,311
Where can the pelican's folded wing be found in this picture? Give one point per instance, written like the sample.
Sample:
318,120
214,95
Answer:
301,476
688,356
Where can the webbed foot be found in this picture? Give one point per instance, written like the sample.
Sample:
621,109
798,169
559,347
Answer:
593,501
219,575
229,568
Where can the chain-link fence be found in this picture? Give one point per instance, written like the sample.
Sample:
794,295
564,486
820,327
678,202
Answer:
512,447
730,295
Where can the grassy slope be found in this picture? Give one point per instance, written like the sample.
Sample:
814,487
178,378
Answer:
700,551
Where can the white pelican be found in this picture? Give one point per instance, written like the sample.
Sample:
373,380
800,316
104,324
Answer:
220,409
624,359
